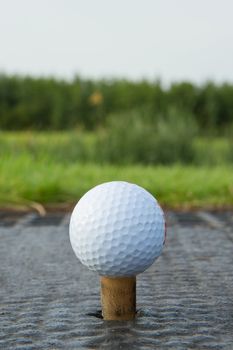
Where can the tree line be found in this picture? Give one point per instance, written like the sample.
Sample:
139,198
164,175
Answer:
52,104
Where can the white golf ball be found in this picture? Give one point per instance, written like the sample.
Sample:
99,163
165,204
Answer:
117,229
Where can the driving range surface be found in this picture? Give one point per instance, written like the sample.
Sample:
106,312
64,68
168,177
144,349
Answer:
48,300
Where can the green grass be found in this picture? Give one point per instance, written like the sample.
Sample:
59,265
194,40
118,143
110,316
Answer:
24,180
41,168
67,147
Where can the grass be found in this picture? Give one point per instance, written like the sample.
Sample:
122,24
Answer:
35,168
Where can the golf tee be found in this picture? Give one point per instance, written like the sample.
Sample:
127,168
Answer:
118,298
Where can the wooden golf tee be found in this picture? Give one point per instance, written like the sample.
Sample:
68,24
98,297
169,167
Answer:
118,298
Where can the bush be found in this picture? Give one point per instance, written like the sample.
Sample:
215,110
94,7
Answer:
133,138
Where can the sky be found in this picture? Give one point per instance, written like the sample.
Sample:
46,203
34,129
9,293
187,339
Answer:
171,40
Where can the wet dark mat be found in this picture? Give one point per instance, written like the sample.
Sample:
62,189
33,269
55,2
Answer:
48,300
8,218
189,219
225,217
47,220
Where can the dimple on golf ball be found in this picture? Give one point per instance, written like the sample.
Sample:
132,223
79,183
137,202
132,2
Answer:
117,229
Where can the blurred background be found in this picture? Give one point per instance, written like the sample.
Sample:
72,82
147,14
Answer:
140,91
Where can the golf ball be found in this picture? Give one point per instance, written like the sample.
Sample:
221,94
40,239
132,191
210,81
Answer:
117,229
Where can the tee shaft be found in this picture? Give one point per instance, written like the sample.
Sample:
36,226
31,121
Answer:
118,298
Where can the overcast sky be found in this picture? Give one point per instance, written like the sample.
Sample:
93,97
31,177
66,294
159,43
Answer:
167,39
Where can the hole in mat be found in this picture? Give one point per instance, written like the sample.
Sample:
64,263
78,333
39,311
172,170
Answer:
98,314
